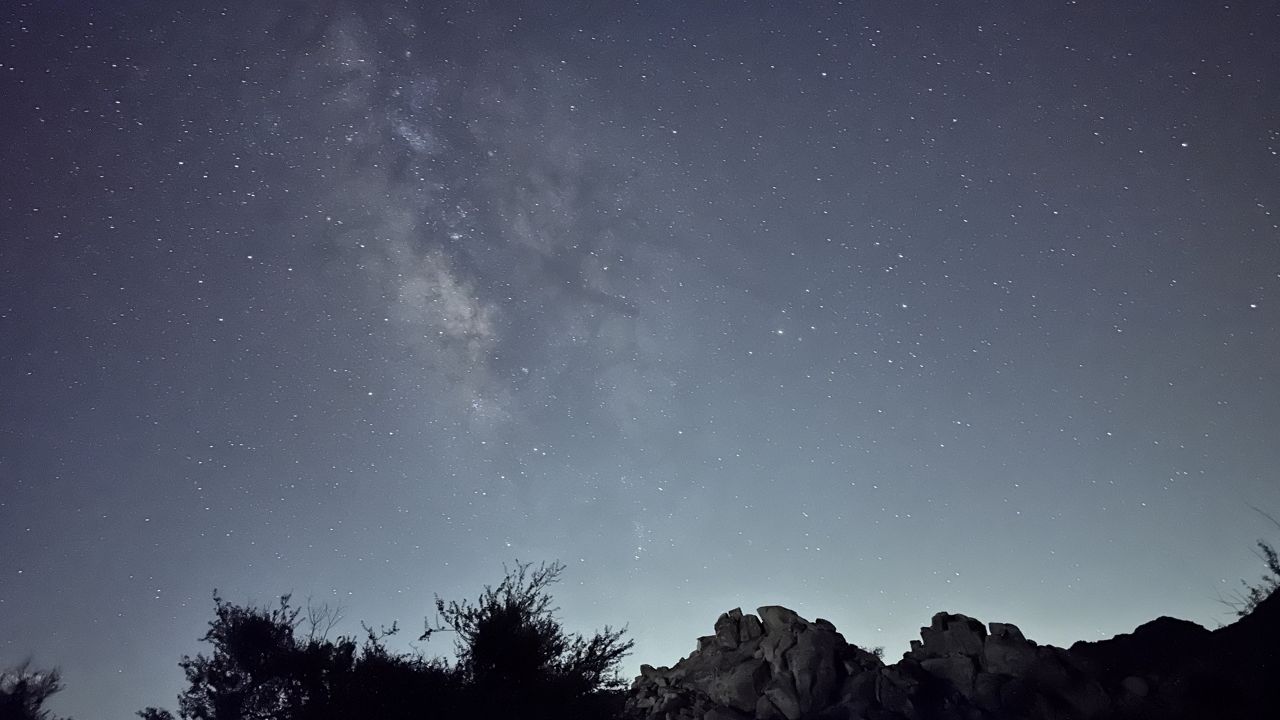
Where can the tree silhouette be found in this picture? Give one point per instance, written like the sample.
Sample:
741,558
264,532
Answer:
253,670
23,692
263,667
513,652
513,658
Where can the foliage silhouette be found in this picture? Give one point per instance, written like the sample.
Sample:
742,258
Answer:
263,667
1243,602
513,651
23,692
513,657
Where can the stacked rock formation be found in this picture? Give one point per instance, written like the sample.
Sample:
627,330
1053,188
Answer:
775,666
778,666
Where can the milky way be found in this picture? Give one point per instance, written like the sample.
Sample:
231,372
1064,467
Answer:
871,310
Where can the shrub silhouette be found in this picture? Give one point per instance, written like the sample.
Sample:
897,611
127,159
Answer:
262,667
1245,601
513,652
513,658
23,692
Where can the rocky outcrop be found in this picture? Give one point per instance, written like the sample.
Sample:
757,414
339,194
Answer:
776,665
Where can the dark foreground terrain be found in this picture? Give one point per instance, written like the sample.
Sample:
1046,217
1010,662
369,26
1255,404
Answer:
778,666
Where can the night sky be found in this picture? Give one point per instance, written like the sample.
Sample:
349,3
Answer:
871,309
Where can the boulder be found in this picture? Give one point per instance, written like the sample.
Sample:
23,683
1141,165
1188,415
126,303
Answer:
1006,651
739,687
727,628
749,628
816,665
958,670
779,666
774,664
781,693
950,635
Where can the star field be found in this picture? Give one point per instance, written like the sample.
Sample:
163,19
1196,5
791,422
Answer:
868,309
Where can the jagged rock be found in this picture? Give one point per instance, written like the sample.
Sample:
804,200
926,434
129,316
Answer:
895,687
858,691
1006,651
727,628
779,666
766,710
950,635
749,628
959,670
741,686
806,661
782,695
778,619
774,665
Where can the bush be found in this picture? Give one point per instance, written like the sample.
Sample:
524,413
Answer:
263,667
1244,602
513,657
512,651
